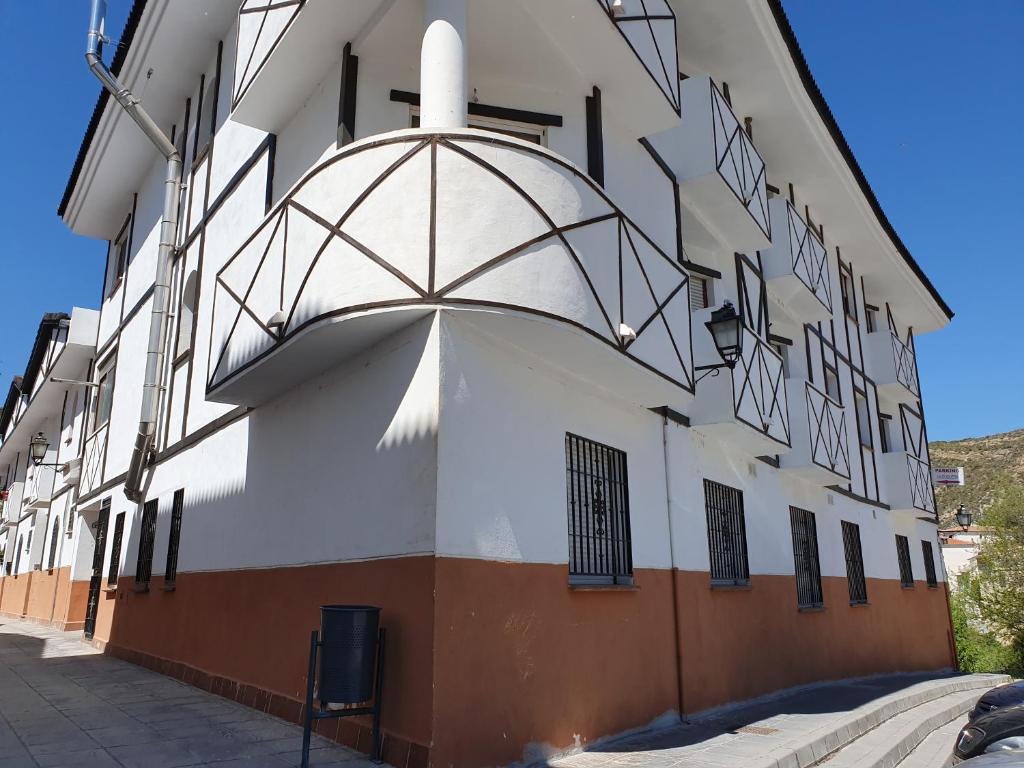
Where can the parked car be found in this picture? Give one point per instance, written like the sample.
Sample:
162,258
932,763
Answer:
993,732
1009,695
1013,758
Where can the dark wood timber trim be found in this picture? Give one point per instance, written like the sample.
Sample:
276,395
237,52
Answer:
347,97
595,138
488,110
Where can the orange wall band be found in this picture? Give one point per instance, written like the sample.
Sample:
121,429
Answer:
486,658
48,597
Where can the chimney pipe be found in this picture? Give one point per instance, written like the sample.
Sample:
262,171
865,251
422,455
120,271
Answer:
165,254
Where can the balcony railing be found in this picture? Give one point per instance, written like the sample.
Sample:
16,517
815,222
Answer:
893,365
388,229
821,448
908,483
261,25
720,172
39,487
93,458
796,264
748,404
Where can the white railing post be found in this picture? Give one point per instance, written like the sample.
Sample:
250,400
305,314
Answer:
443,89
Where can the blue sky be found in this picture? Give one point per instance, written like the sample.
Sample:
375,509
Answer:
928,93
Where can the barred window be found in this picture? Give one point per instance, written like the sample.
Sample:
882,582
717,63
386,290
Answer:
115,551
600,551
854,564
171,571
929,564
805,558
903,553
727,534
147,535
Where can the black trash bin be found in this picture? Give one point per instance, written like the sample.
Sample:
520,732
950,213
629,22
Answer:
348,651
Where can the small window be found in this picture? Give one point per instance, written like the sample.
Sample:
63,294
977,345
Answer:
53,544
700,293
600,551
119,256
186,315
535,134
854,564
863,420
929,564
903,554
884,427
727,534
115,551
832,383
871,319
147,537
805,558
171,571
104,394
846,287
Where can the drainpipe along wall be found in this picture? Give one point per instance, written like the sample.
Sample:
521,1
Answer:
165,254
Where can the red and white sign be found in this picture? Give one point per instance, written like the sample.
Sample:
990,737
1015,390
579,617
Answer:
947,475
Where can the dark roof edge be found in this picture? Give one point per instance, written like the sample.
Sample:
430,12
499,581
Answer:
818,99
27,382
127,35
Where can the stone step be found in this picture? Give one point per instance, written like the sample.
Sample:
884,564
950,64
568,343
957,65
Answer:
936,751
893,740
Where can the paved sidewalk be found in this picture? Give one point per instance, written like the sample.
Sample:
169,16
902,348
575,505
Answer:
62,703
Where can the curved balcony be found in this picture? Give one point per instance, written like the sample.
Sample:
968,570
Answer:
505,232
821,448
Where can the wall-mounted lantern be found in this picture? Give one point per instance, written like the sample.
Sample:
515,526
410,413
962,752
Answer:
37,447
726,327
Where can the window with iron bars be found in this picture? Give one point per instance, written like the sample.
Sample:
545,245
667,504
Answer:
600,550
727,534
903,554
854,564
929,564
115,551
171,571
53,544
805,558
147,536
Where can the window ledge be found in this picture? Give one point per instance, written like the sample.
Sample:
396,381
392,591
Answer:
906,586
811,609
140,587
933,586
859,603
731,587
604,587
170,587
110,589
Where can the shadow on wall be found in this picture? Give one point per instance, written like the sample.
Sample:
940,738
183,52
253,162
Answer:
335,472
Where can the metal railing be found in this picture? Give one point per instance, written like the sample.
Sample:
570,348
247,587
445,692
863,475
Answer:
759,389
809,258
738,162
830,448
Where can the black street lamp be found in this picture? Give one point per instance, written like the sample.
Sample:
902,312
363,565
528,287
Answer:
726,328
963,517
37,447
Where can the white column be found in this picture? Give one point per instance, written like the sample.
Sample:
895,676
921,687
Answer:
443,93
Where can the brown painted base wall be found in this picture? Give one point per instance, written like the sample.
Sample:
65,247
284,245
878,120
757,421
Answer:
47,597
486,659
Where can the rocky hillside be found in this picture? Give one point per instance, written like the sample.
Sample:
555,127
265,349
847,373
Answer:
991,465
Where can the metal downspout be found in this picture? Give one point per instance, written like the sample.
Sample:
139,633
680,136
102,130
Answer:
168,237
673,573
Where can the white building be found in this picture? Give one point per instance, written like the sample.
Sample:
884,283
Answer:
437,343
960,549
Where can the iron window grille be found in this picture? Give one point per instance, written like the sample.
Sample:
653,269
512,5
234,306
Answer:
805,558
115,551
727,534
929,564
854,564
144,567
600,550
171,571
903,553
